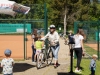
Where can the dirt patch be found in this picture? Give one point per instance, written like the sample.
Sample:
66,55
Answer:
16,44
94,46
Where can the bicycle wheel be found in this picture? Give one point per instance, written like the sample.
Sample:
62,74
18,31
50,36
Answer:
49,56
39,61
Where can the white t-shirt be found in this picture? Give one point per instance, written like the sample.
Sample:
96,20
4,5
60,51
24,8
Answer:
78,39
6,63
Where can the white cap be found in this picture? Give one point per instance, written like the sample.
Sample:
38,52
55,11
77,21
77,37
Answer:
52,26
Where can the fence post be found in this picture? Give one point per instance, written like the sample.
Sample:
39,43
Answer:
75,30
98,41
24,33
45,19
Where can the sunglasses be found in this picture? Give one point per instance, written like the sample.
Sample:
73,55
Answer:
52,28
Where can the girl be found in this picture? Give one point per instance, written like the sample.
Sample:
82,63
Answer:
79,48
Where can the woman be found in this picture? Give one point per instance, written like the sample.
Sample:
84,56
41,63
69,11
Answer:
79,48
53,37
34,39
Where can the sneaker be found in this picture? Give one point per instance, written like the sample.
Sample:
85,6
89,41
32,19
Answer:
77,71
34,62
55,66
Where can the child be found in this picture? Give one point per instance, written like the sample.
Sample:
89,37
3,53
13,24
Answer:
93,64
7,63
38,45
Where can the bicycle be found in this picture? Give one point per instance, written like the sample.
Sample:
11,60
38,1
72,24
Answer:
49,56
41,59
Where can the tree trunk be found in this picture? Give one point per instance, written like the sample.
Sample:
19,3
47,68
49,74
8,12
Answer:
65,23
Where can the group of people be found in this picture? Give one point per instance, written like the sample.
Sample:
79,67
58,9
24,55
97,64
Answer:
77,39
53,37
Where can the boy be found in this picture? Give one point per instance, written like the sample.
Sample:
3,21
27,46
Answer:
38,45
7,63
93,64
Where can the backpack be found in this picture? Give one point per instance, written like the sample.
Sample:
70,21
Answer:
71,39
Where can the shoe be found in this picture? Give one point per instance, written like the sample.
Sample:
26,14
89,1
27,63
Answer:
34,62
77,71
55,66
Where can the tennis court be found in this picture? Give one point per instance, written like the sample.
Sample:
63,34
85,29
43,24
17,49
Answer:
16,44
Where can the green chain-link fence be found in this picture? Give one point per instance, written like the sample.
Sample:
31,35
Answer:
92,32
15,33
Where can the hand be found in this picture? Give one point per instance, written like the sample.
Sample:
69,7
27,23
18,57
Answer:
83,53
53,42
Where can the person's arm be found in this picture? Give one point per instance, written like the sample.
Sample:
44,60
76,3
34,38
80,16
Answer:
42,43
33,39
34,44
57,37
13,62
45,37
81,38
82,44
1,65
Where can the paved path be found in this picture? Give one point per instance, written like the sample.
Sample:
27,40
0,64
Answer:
27,68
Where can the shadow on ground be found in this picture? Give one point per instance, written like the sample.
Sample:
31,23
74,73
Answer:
20,67
65,73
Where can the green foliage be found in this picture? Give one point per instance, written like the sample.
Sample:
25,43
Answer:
94,11
75,10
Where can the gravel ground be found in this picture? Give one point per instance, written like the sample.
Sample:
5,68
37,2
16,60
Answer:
28,68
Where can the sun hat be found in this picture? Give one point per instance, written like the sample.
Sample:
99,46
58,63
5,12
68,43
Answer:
7,51
52,26
94,56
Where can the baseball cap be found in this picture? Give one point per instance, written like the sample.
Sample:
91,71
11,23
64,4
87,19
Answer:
7,51
52,26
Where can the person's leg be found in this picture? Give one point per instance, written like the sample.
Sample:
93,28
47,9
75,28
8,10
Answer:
56,54
79,58
78,52
33,53
35,57
55,50
92,71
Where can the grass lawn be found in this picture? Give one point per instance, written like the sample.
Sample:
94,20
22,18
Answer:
90,50
85,66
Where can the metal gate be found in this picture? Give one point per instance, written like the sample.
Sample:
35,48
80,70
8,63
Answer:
19,38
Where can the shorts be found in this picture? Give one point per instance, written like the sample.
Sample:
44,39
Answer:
38,51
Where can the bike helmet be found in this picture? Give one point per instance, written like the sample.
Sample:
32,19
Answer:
52,26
